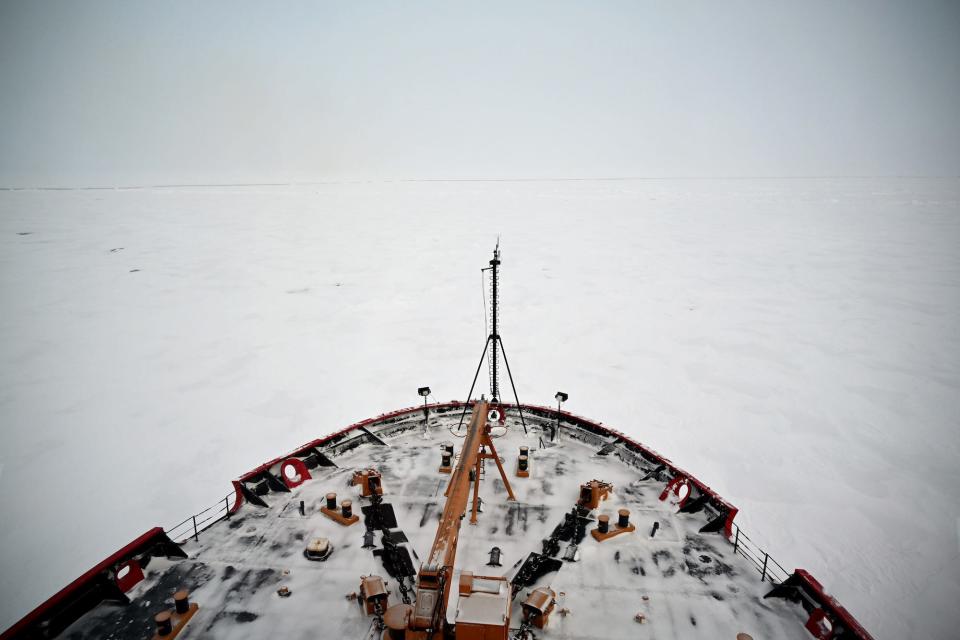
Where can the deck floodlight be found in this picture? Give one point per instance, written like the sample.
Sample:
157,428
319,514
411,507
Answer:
424,392
561,398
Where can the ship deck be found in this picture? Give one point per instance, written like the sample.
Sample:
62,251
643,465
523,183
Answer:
686,584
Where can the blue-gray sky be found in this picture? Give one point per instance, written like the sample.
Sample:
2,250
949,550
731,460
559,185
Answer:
123,93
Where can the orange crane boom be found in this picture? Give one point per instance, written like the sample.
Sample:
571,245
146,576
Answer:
427,615
435,575
444,550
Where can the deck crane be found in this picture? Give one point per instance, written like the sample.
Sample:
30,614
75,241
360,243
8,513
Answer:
484,609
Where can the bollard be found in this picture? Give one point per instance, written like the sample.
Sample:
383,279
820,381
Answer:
346,508
448,447
332,501
623,520
603,523
524,451
523,463
181,601
494,557
164,624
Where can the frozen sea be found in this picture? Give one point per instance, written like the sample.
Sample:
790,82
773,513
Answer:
793,343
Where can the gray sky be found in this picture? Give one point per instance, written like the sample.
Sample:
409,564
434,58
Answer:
121,93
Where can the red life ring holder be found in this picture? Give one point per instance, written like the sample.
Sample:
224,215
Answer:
301,473
497,414
676,486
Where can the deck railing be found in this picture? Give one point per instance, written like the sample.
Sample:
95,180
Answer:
769,568
195,524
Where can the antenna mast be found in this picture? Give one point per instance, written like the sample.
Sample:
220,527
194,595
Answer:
496,342
494,333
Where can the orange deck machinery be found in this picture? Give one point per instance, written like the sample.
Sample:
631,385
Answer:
484,601
369,481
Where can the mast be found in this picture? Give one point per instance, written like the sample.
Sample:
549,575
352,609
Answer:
494,336
495,343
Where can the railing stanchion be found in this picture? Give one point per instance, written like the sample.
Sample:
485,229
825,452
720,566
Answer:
226,505
196,534
736,541
763,573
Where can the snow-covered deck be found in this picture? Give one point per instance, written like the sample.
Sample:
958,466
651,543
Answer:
686,584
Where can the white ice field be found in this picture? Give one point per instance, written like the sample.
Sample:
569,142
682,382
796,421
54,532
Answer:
793,343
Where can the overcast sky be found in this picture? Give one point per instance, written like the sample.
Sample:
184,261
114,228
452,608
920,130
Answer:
123,93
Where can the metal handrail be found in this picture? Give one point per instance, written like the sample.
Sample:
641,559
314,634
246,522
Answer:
193,527
768,567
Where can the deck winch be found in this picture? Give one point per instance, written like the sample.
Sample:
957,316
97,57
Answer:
593,493
538,606
369,481
373,596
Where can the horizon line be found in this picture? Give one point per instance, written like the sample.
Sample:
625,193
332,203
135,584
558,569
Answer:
133,187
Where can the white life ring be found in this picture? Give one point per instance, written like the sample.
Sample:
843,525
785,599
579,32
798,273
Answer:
493,416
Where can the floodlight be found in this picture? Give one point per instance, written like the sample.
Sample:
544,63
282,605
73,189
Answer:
561,398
